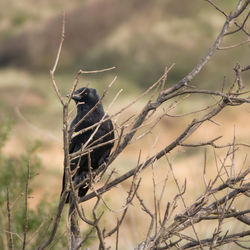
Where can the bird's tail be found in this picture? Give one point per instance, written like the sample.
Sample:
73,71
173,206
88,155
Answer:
76,180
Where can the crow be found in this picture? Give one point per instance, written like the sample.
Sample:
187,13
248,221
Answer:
89,112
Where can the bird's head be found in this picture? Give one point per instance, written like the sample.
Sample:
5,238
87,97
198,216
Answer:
85,95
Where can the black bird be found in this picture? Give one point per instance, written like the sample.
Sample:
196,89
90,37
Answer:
89,112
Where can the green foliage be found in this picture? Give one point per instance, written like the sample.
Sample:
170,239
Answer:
4,131
19,19
13,176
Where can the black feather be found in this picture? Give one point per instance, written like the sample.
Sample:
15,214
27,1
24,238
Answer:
88,106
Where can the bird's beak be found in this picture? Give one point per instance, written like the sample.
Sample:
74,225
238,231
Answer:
74,97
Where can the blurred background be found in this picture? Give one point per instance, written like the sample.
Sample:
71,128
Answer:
140,38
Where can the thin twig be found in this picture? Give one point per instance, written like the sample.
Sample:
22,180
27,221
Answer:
52,72
234,46
9,233
25,229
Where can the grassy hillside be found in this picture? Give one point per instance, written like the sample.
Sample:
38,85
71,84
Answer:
140,38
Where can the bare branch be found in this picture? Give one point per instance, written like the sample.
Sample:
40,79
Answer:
234,46
96,71
9,233
56,222
216,7
220,241
52,72
26,207
185,134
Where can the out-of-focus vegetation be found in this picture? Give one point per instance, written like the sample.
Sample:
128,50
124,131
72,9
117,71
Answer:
13,180
138,37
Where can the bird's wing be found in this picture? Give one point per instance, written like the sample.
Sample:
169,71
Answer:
105,133
72,146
